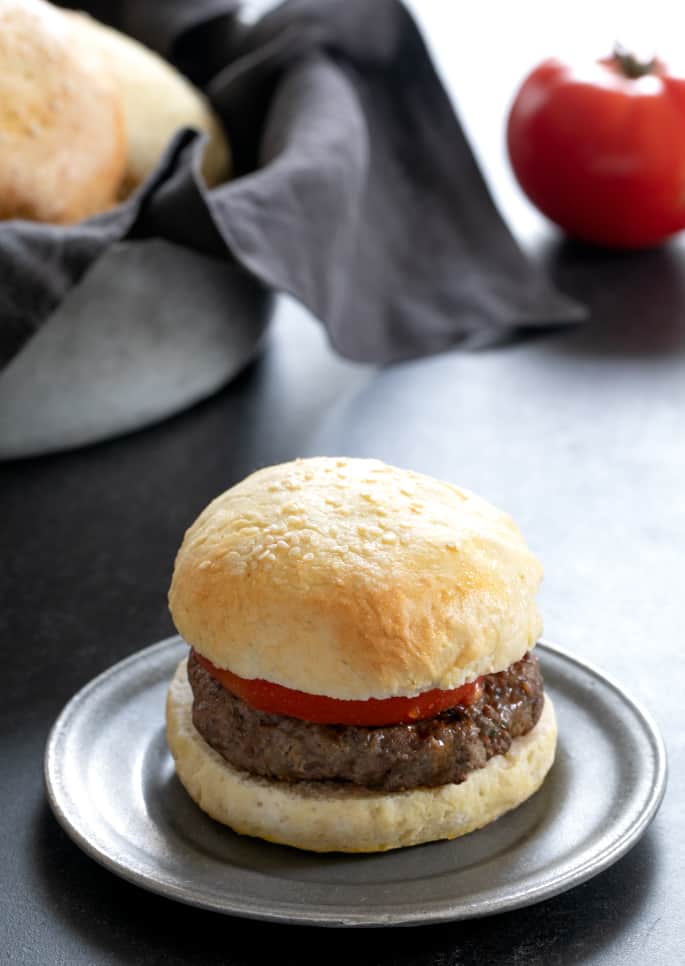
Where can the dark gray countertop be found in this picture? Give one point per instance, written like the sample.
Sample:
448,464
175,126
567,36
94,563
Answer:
583,446
579,435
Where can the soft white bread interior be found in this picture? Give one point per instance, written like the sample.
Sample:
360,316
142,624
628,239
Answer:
157,101
325,816
354,579
62,140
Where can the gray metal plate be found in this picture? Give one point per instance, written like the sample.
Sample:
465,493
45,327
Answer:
111,784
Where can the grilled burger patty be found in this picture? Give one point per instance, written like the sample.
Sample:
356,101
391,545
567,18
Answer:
396,757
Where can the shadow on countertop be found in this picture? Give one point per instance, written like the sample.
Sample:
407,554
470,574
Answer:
636,299
109,921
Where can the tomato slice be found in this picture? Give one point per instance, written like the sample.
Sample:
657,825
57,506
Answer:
320,709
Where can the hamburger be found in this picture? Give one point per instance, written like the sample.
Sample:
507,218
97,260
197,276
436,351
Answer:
361,673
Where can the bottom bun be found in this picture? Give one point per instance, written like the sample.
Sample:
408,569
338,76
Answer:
326,817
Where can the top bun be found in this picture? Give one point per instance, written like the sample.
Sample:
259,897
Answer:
63,147
157,101
353,579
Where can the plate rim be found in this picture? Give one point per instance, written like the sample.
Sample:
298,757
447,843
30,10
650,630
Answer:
291,913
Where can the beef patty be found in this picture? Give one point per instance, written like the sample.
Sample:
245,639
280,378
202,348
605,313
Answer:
397,757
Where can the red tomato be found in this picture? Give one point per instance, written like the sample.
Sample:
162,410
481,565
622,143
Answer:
265,696
601,149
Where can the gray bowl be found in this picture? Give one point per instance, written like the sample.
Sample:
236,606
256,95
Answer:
150,329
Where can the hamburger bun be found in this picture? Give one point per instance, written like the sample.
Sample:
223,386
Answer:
61,121
86,114
354,579
157,100
351,580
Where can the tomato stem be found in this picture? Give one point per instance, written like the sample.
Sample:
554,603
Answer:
630,65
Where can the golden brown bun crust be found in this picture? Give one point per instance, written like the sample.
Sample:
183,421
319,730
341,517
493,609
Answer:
354,579
62,139
324,817
157,101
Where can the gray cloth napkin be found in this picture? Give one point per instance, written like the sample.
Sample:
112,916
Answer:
355,188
